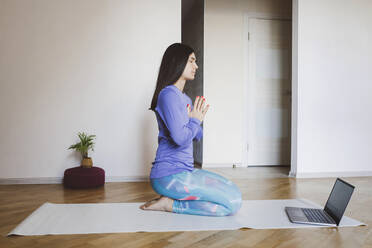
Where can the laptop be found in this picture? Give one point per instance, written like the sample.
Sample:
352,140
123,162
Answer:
333,211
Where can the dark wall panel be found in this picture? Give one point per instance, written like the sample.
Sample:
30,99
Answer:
193,35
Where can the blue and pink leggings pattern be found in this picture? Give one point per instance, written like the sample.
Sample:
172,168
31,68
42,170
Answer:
199,192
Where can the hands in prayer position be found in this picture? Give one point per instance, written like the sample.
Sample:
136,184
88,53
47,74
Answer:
199,111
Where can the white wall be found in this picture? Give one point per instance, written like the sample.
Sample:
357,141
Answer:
81,65
332,84
334,87
70,66
224,81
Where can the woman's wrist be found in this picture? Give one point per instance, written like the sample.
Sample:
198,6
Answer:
195,120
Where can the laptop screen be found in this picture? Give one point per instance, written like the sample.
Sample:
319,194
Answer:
338,199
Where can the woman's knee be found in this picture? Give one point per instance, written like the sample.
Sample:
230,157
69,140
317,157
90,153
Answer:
229,195
233,191
232,201
236,200
233,207
236,203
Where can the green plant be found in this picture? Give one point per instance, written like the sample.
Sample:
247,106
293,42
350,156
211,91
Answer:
86,143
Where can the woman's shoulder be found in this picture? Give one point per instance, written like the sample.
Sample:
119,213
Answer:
168,96
168,91
167,88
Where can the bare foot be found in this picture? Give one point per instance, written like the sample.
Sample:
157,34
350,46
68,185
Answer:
161,204
145,205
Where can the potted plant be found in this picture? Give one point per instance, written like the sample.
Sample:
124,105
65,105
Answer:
86,143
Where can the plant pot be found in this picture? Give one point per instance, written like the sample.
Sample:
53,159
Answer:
87,162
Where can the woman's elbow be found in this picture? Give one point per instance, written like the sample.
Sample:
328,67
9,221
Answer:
180,140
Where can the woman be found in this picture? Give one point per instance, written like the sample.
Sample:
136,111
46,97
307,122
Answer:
184,189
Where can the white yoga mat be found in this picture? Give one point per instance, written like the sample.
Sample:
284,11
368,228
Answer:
86,218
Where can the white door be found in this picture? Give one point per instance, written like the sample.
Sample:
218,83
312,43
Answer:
269,92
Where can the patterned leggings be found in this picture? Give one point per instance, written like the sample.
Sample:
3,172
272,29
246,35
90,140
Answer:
199,192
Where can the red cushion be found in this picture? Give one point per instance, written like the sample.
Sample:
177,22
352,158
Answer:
80,177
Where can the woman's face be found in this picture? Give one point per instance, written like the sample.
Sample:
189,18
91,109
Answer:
190,69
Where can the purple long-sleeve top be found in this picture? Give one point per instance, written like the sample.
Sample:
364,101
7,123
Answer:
176,133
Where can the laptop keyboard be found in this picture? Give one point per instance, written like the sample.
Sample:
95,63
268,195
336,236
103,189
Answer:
315,215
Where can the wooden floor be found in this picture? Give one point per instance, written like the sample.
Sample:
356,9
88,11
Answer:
18,201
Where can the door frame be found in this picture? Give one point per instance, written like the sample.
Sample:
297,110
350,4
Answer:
294,109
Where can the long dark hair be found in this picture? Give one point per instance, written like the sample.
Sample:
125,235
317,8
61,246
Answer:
172,66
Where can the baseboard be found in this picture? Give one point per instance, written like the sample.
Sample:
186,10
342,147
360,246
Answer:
333,174
59,180
221,165
32,180
128,179
292,174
